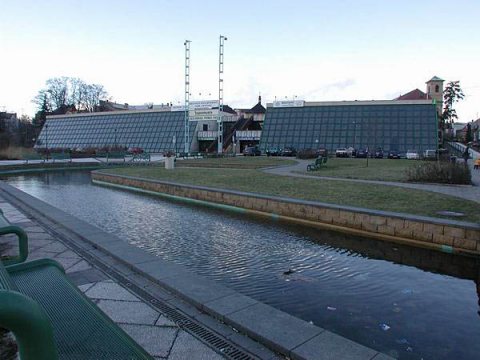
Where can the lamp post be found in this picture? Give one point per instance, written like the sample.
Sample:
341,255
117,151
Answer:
115,138
354,133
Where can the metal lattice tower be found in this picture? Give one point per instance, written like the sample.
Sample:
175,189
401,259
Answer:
187,95
220,94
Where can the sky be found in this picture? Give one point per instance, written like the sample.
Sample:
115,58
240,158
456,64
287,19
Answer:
312,50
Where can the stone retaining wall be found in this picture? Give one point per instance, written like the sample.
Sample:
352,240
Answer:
443,235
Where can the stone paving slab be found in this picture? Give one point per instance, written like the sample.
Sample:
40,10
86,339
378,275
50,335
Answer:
329,346
128,312
228,304
110,290
279,330
156,340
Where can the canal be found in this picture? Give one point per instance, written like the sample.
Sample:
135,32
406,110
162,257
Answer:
406,302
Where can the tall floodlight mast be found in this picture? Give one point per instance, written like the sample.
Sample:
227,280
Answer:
220,94
187,95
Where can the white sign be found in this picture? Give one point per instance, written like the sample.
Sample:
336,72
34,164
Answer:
203,114
289,103
177,108
203,104
203,118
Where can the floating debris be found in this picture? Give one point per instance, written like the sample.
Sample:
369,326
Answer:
331,308
288,272
407,291
384,327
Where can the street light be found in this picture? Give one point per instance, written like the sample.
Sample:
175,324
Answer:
354,133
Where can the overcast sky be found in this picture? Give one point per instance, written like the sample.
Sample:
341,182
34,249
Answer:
315,50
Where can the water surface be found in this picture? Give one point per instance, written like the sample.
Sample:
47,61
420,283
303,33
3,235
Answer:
407,302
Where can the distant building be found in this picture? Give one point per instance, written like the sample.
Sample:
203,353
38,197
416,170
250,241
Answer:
8,121
434,91
387,124
407,122
462,132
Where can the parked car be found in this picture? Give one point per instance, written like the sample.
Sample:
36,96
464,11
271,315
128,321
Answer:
430,155
272,152
341,152
393,154
412,155
288,151
378,154
362,153
352,152
252,151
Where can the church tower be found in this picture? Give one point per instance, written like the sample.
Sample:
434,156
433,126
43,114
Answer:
435,91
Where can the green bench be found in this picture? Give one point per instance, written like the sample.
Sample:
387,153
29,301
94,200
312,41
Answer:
317,164
51,319
61,157
33,157
7,228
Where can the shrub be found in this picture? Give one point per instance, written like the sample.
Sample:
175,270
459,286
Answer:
15,153
440,172
307,154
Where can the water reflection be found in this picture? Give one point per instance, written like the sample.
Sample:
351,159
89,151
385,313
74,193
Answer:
410,303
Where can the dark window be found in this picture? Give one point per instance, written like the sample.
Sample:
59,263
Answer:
437,88
205,127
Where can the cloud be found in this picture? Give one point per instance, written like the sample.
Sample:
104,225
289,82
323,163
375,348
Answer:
330,88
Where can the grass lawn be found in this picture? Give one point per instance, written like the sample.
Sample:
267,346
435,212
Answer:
238,162
380,197
378,169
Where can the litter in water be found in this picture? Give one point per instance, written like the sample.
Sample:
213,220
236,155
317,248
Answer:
331,308
384,327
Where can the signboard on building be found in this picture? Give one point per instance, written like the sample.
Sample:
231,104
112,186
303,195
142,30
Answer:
177,108
203,110
203,104
203,114
289,103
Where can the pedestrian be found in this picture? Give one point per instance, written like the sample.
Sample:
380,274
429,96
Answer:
466,155
476,165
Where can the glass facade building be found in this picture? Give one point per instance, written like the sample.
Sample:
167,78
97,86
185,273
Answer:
390,125
152,131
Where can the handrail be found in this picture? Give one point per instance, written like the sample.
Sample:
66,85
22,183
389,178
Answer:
22,242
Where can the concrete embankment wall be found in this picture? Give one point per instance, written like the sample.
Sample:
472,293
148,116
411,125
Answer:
443,235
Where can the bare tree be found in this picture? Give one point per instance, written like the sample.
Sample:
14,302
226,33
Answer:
64,92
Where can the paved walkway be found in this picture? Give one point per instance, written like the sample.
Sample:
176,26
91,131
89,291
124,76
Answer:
152,329
462,191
